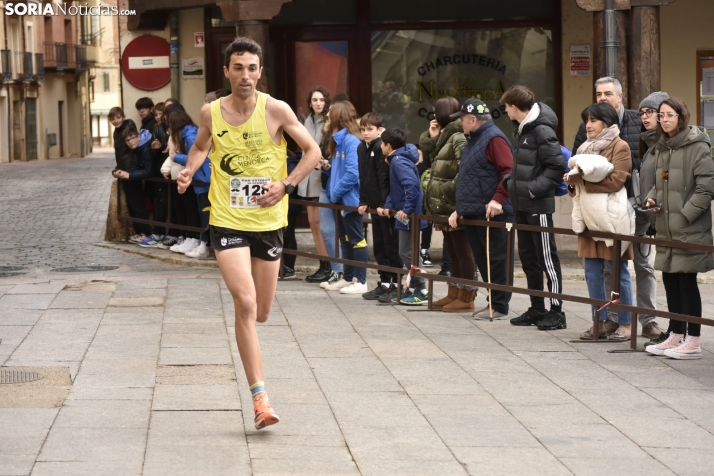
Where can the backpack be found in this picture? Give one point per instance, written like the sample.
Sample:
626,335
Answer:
563,187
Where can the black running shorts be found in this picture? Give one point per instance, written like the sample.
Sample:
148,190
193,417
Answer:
265,245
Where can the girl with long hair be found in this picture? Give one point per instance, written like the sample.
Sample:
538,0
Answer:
342,188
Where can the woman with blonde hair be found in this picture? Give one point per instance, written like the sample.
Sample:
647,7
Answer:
342,188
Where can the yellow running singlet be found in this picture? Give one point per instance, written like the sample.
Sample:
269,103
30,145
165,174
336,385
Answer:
244,159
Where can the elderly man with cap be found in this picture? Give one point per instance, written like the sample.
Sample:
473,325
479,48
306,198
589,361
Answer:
486,159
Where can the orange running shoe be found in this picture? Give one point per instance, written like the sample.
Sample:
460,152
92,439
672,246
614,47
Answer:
264,414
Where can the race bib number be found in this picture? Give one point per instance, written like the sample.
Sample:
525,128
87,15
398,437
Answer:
245,191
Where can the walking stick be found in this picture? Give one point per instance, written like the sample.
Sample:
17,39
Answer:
488,269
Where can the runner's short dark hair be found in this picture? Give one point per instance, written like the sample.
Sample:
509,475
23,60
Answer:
116,111
241,45
144,103
396,138
371,119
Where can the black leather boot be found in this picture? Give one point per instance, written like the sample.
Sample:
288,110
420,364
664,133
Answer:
322,273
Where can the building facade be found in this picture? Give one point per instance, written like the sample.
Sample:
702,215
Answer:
398,57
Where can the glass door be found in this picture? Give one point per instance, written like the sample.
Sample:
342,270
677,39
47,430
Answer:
320,63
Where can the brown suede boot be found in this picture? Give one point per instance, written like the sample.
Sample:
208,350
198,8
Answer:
465,302
450,297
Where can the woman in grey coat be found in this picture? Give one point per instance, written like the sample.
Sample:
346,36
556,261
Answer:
318,101
683,191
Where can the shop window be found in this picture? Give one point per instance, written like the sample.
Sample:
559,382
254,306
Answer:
411,69
320,63
460,10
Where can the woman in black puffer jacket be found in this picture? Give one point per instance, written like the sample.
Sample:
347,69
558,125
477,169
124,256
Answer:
442,145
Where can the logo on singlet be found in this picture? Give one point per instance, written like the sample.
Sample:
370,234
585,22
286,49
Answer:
222,133
242,161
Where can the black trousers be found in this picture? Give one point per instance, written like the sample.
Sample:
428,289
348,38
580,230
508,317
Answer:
134,191
289,240
683,298
426,236
159,196
498,242
184,209
539,255
386,246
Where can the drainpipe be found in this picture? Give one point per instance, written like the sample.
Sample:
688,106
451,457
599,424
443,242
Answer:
610,43
174,55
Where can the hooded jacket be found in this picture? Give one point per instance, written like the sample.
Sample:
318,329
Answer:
685,198
440,197
630,129
203,174
538,164
405,192
125,157
647,180
144,158
343,182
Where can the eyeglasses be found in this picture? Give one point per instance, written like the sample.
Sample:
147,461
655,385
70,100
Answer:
669,115
646,113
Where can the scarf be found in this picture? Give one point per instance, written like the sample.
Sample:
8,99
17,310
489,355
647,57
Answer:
599,143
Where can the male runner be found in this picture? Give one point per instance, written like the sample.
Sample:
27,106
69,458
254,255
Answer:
248,198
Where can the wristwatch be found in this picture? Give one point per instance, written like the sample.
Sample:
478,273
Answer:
289,188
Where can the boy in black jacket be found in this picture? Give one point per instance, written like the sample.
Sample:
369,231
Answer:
373,191
125,158
538,169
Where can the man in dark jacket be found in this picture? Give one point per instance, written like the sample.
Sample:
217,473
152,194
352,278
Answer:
373,192
609,89
538,168
125,157
485,161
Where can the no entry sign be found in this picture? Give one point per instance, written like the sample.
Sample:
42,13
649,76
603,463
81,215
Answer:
145,62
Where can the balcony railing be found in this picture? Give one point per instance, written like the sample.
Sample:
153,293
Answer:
63,56
6,65
27,66
39,67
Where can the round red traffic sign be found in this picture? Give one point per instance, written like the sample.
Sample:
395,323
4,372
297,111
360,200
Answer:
145,62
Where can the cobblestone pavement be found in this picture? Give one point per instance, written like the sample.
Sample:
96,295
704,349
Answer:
142,375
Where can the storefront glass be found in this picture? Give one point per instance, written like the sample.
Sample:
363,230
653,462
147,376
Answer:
411,69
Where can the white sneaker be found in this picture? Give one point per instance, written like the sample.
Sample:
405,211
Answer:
187,245
138,238
355,288
193,243
178,245
337,286
198,252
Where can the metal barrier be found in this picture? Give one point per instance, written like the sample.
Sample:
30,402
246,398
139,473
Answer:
510,263
618,240
126,219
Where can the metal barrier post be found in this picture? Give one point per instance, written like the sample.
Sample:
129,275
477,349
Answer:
510,255
168,205
337,233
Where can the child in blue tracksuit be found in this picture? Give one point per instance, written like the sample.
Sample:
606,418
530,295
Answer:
405,197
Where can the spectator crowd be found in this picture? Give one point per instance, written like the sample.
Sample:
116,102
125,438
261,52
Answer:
644,172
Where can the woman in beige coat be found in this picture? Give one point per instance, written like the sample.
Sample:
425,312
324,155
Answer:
601,124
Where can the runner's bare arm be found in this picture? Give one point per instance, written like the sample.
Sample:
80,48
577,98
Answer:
199,151
279,113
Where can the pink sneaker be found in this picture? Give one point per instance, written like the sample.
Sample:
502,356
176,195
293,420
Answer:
687,350
670,343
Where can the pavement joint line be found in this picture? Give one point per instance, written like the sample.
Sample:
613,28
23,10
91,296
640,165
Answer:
404,390
317,381
596,413
474,323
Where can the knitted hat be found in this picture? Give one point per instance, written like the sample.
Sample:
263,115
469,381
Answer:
653,100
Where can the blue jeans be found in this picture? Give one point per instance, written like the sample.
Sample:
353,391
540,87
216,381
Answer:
327,230
594,277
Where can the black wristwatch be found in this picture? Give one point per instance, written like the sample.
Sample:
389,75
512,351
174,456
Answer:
289,188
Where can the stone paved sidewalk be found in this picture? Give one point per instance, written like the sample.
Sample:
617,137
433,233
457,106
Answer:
142,375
